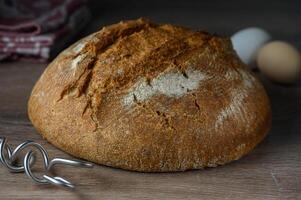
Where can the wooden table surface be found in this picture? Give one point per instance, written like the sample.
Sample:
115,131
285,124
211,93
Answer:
271,171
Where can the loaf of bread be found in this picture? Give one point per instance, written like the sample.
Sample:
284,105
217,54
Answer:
151,98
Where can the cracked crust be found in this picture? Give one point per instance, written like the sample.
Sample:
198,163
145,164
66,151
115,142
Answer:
196,106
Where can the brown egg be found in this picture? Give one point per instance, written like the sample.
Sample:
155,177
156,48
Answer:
280,61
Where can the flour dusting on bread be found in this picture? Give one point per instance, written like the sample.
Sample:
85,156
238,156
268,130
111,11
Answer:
172,84
234,108
76,61
79,47
238,95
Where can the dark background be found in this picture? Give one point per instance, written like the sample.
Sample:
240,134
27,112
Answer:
271,171
281,18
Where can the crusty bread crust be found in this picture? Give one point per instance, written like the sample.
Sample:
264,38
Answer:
151,98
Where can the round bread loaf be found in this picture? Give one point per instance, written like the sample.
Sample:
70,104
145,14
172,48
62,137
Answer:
151,98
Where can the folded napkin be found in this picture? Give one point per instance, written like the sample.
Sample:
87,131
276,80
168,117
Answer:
39,29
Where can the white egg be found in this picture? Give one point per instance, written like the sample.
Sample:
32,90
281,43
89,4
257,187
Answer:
247,42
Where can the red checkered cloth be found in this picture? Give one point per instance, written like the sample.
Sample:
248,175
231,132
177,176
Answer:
40,29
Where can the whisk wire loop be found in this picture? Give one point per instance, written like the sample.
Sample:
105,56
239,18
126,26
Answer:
8,159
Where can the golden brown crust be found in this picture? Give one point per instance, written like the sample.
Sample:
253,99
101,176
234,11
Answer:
151,98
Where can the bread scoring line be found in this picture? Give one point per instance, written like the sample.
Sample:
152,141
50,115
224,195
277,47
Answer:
83,42
77,60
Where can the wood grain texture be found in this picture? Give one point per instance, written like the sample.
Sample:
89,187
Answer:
271,171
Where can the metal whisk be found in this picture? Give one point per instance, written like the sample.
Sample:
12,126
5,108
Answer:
8,158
